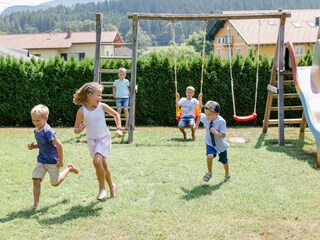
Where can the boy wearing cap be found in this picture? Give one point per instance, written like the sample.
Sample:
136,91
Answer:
188,104
215,137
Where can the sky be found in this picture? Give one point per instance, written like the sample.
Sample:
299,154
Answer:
9,3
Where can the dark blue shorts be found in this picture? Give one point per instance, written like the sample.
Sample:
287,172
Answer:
223,158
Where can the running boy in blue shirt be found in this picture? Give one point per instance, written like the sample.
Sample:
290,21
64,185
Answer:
215,137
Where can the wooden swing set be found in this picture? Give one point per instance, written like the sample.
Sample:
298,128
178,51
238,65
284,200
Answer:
278,63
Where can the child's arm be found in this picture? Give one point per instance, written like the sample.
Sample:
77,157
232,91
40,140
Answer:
116,117
216,133
79,125
177,99
58,145
32,146
128,88
114,91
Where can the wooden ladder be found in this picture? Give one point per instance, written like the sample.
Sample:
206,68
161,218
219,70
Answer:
273,95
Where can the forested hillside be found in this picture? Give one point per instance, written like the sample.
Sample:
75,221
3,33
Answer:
81,17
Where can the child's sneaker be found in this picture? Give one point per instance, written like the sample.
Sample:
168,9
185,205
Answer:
207,177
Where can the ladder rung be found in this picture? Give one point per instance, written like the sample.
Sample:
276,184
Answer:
112,70
108,100
287,82
288,95
286,121
115,57
288,108
107,95
272,88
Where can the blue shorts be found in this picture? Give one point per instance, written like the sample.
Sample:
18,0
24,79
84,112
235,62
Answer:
190,121
122,102
223,158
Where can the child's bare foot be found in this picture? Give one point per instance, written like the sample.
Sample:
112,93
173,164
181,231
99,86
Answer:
102,194
73,168
193,136
114,191
33,207
184,136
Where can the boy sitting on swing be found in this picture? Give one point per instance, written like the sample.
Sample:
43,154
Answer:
188,104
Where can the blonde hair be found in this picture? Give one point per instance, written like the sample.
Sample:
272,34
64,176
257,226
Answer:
190,88
40,110
122,70
80,96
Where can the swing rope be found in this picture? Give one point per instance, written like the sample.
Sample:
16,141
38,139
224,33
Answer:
178,109
254,114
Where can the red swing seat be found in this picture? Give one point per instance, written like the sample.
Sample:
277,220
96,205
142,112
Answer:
245,118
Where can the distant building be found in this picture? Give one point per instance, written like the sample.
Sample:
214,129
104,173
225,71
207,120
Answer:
78,44
242,36
16,53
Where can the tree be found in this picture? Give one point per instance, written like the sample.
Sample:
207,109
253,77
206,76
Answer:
196,40
144,40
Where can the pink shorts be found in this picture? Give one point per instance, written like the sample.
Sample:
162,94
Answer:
100,145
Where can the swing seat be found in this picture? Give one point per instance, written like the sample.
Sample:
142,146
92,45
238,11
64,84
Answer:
245,118
197,111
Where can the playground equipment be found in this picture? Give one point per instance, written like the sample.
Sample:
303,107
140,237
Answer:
254,114
307,83
278,62
197,110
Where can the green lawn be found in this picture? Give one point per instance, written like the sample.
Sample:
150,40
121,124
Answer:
273,194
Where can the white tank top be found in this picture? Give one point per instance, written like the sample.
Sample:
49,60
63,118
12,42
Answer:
95,122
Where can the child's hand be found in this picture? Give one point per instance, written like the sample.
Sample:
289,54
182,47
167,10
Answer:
81,127
177,95
118,133
32,146
214,131
59,164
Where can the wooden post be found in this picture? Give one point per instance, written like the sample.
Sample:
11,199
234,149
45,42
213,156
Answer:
135,26
280,82
96,77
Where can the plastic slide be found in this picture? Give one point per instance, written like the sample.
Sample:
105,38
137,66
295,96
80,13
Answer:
307,83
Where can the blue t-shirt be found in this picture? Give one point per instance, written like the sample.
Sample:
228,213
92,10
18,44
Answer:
220,125
48,153
121,88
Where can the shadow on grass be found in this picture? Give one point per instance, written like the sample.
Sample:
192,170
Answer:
27,214
74,213
76,139
292,147
181,140
201,190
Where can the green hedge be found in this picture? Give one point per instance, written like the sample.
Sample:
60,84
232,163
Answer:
53,83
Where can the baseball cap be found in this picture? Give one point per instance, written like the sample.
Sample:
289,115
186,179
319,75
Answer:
213,106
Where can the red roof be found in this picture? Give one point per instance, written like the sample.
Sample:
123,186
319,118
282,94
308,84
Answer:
55,40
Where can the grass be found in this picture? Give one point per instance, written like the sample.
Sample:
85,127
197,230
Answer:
273,193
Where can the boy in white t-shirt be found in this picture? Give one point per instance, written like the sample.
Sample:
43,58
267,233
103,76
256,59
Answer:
188,105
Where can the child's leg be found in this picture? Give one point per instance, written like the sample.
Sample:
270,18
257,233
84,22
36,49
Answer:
226,170
65,172
100,172
193,133
209,162
112,186
36,192
181,128
126,114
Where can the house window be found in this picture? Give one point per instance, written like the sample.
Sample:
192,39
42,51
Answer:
228,32
64,56
299,50
107,53
81,56
219,52
249,50
239,51
229,52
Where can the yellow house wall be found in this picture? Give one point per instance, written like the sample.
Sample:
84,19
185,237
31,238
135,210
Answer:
238,43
